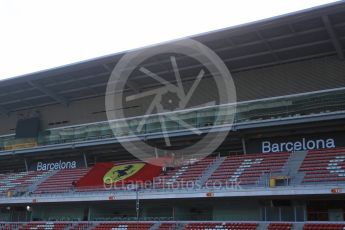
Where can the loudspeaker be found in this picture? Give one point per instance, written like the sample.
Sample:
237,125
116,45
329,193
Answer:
28,128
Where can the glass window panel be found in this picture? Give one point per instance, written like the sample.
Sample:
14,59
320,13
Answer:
287,214
272,213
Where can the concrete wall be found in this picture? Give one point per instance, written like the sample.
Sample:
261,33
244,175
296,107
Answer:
45,212
217,209
237,210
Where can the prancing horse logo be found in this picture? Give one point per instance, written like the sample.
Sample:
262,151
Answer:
121,172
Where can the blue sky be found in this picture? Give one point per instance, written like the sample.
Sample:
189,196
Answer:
41,34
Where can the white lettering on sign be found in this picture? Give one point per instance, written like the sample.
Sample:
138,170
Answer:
56,165
301,145
335,166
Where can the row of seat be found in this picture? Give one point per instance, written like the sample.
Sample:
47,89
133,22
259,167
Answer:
318,166
45,226
279,226
247,169
124,226
82,226
324,166
220,226
168,226
9,226
182,176
161,226
61,181
19,181
324,227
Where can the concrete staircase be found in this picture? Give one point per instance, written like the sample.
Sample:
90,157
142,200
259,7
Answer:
262,226
92,226
290,169
155,226
292,166
263,180
298,226
70,226
180,226
210,170
45,176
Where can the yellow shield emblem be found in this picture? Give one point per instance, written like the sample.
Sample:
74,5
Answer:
121,172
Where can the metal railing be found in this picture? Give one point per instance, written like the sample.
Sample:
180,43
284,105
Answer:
297,105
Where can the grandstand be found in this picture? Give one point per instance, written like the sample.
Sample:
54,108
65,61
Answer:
281,165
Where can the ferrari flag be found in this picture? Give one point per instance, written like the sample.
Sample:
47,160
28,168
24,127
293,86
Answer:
110,173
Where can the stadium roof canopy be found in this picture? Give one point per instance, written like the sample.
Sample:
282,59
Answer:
307,34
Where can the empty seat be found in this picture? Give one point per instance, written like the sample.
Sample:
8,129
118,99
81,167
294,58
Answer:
183,176
220,226
167,226
279,226
324,226
247,169
123,226
61,181
45,226
324,166
19,181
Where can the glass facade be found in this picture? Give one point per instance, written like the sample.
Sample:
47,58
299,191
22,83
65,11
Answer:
250,111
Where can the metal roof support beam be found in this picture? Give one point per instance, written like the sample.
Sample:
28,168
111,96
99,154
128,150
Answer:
252,55
107,68
234,46
281,62
333,36
49,93
5,111
233,70
292,28
275,55
133,86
